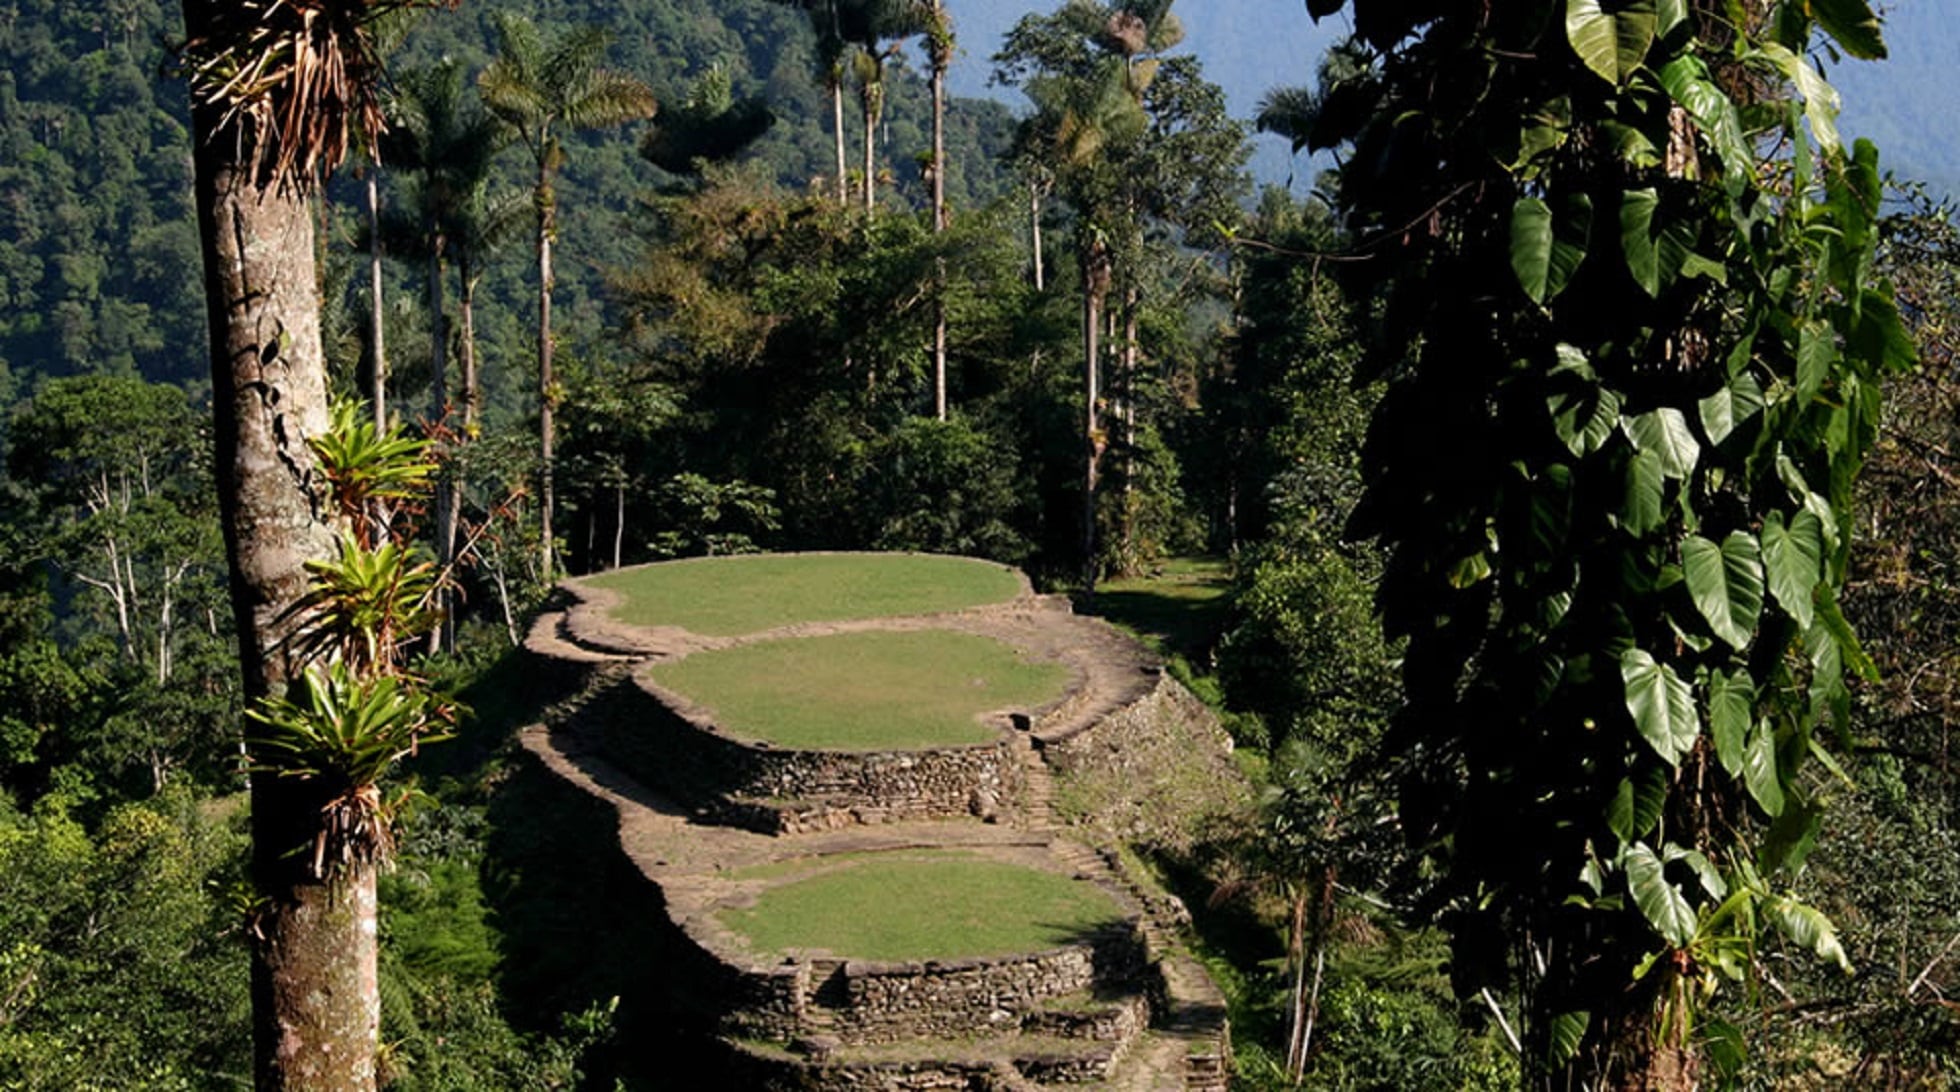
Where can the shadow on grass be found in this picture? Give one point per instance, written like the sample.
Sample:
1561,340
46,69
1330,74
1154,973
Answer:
1180,610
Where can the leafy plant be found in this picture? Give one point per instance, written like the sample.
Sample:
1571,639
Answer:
1634,352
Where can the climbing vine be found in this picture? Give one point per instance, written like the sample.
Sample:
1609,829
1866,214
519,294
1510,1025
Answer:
1621,262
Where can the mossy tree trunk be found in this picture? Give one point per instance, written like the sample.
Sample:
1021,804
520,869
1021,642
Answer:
315,1002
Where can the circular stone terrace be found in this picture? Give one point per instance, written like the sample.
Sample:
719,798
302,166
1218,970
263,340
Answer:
807,742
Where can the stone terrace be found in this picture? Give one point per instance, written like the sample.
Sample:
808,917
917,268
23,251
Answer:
1122,1009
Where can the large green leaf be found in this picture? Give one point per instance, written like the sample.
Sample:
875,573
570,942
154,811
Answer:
1562,1039
1663,706
1638,802
1641,515
1816,354
1854,26
1637,238
1613,43
1726,409
1731,708
1665,432
1793,556
1820,99
1547,250
1584,418
1807,927
1689,83
1759,769
1726,583
1660,902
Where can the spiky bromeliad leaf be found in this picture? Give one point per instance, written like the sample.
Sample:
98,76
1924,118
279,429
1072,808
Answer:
1726,583
1663,706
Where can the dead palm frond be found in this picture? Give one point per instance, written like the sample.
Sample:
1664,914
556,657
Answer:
295,81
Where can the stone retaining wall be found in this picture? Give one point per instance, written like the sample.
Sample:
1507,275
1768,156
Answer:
859,1002
772,790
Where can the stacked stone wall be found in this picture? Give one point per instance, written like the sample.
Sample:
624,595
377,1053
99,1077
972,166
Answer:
773,789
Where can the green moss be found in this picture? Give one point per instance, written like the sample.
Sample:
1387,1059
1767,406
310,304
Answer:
922,905
731,596
863,691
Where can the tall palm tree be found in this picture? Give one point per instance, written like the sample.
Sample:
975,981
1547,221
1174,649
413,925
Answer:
280,92
448,143
939,54
541,89
869,25
832,51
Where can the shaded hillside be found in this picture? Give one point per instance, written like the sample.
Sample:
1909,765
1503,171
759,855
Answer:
96,228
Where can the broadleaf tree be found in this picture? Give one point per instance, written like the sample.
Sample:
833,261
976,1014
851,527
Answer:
1619,263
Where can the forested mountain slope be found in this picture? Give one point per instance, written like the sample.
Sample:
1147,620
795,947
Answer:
98,244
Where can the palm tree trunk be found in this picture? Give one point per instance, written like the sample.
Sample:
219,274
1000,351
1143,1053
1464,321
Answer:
1095,287
940,59
376,324
837,130
1034,232
315,996
438,415
1131,305
870,149
466,342
547,382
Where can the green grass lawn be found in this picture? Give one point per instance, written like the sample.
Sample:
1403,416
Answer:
863,691
1179,609
730,596
921,905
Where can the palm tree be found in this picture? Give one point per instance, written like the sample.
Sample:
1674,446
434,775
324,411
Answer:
1078,117
448,143
541,89
280,92
832,49
939,53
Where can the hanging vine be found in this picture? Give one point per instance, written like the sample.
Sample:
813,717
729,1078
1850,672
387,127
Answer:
1621,262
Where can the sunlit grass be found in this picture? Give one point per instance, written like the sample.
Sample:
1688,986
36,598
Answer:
864,691
921,905
730,596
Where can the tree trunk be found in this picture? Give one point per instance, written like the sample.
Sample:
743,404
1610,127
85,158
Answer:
1132,304
1095,287
547,382
315,1001
466,343
872,109
376,325
438,417
940,59
619,522
837,130
1034,232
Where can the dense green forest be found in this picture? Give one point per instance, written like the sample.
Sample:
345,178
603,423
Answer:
1529,450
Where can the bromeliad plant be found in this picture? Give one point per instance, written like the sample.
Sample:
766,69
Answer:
1621,260
357,709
